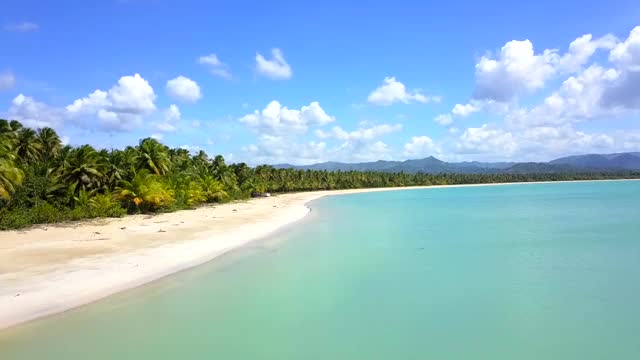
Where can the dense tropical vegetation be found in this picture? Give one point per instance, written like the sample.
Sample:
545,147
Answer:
42,181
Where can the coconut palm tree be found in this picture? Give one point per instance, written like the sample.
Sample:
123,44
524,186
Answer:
83,168
187,189
153,156
5,127
213,190
10,174
49,142
9,127
145,190
27,147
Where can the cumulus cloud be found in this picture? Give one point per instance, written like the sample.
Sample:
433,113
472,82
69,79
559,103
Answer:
516,70
579,98
119,108
171,117
465,110
278,119
486,139
536,143
594,92
272,149
363,151
184,89
7,80
216,67
360,134
562,140
420,147
33,113
361,144
274,68
624,91
392,91
443,119
627,53
24,26
581,50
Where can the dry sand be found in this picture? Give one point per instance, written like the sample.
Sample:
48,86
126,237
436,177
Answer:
52,268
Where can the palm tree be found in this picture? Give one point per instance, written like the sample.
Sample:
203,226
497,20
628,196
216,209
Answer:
187,189
10,175
9,127
153,156
5,127
180,160
83,168
49,142
144,189
27,147
213,190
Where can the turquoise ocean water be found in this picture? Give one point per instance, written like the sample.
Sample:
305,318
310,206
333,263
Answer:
536,271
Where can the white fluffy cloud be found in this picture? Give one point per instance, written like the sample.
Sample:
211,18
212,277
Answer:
393,91
578,98
537,143
465,110
549,141
7,80
486,139
443,119
171,117
184,89
362,151
581,50
627,53
360,134
274,68
361,144
516,70
273,149
420,147
624,92
33,113
216,67
25,26
278,119
119,108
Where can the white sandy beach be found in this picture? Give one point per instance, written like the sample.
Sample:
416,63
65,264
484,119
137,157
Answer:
52,268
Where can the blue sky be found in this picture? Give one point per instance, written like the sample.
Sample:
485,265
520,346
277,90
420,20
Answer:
303,82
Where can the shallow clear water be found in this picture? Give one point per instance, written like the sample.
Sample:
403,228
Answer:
537,271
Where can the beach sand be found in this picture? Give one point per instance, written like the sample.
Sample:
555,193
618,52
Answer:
48,269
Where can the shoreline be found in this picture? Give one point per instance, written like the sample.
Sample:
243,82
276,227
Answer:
50,269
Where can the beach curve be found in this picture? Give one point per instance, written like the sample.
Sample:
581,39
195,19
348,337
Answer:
50,269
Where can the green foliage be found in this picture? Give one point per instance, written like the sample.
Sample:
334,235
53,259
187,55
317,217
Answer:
104,205
153,156
145,192
43,182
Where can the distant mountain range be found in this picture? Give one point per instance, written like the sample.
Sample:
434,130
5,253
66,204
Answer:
629,161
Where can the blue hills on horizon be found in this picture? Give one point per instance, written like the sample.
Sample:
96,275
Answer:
627,161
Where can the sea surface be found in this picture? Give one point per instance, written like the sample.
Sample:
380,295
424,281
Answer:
535,271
